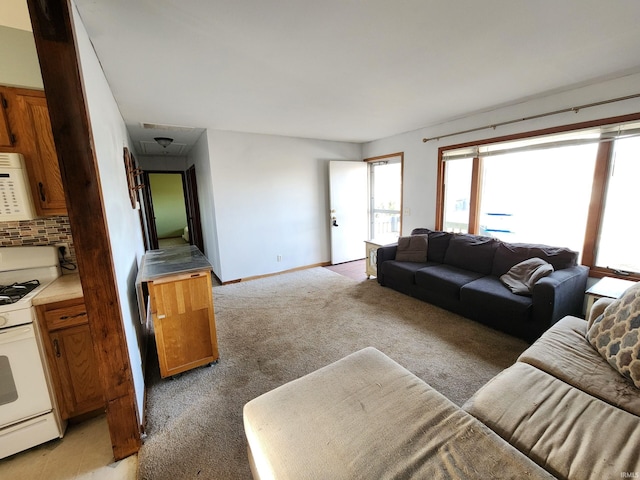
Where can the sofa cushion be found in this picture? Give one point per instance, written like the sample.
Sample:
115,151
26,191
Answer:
412,249
471,252
521,278
564,352
570,433
490,295
616,334
444,279
367,417
401,275
509,254
438,243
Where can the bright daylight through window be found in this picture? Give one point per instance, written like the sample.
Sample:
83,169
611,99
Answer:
386,199
620,230
539,190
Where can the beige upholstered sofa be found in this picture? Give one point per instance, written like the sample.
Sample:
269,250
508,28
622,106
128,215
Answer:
560,411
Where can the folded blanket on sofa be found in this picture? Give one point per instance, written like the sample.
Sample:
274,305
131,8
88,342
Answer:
522,276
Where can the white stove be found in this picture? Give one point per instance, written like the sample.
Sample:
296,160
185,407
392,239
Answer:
27,413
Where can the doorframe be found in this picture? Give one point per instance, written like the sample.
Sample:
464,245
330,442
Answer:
191,206
193,210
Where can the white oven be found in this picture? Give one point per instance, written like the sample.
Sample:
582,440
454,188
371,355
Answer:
28,415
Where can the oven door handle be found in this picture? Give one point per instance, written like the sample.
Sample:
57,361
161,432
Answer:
15,334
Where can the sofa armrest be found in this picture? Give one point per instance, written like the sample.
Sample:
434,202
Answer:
387,252
597,308
559,294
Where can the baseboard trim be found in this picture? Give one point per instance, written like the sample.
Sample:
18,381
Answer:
256,277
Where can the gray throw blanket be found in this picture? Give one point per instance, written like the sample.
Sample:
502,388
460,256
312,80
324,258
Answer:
522,276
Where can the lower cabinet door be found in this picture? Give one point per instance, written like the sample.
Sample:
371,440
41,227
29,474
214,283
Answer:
77,369
184,322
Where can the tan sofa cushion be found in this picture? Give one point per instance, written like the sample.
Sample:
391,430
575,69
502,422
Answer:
564,352
367,417
569,432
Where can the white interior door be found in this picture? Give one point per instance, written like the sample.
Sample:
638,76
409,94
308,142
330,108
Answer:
348,215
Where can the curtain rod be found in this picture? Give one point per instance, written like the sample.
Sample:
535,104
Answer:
533,117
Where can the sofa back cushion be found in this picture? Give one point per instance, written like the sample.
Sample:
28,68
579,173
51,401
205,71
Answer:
438,243
509,254
471,252
412,249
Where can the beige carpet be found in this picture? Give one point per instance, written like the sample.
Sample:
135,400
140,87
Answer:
276,329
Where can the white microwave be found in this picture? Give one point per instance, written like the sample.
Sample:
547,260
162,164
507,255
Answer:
16,202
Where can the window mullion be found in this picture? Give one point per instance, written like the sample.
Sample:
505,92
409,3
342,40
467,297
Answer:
596,206
475,196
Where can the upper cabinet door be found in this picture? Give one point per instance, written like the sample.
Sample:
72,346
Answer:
6,139
35,142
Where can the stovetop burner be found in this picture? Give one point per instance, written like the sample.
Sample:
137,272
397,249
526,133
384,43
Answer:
14,292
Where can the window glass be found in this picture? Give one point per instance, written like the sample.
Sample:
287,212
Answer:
538,196
620,229
386,198
457,193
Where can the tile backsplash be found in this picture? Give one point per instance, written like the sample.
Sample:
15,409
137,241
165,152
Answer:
38,232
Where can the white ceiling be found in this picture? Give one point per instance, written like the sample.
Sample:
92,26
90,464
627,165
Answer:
350,70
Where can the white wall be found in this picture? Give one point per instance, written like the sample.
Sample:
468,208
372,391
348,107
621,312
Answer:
271,198
171,164
421,159
199,157
19,65
109,138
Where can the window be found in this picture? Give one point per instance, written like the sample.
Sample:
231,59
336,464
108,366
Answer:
538,196
620,229
385,187
457,195
572,188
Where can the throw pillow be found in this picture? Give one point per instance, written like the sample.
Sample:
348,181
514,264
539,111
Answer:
412,249
616,334
521,278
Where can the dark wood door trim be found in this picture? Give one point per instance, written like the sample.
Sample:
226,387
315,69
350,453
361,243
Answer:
57,51
193,210
149,214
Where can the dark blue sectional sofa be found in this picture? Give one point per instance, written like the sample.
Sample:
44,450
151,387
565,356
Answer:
462,274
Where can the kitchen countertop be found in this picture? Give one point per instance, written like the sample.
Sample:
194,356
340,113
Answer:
62,288
170,261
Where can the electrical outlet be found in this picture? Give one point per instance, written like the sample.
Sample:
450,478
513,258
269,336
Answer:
63,249
279,258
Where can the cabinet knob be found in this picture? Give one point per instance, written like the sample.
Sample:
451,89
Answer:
56,348
41,190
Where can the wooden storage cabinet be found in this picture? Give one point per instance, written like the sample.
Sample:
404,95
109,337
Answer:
72,363
25,128
183,321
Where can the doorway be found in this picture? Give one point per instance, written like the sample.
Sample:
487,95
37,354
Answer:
171,209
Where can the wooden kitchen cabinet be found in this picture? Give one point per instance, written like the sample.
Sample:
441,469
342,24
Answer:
6,137
175,283
183,321
72,363
28,132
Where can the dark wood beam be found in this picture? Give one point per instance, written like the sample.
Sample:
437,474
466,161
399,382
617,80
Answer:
57,51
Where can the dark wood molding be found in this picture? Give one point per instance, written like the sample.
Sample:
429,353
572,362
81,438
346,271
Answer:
57,51
476,196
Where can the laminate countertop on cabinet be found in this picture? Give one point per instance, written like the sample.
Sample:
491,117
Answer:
65,287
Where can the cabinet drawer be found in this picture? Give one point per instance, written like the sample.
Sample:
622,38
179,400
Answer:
66,317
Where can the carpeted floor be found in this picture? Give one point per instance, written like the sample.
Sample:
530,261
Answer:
276,329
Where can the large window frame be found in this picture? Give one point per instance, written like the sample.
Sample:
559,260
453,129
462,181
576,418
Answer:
598,192
397,157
